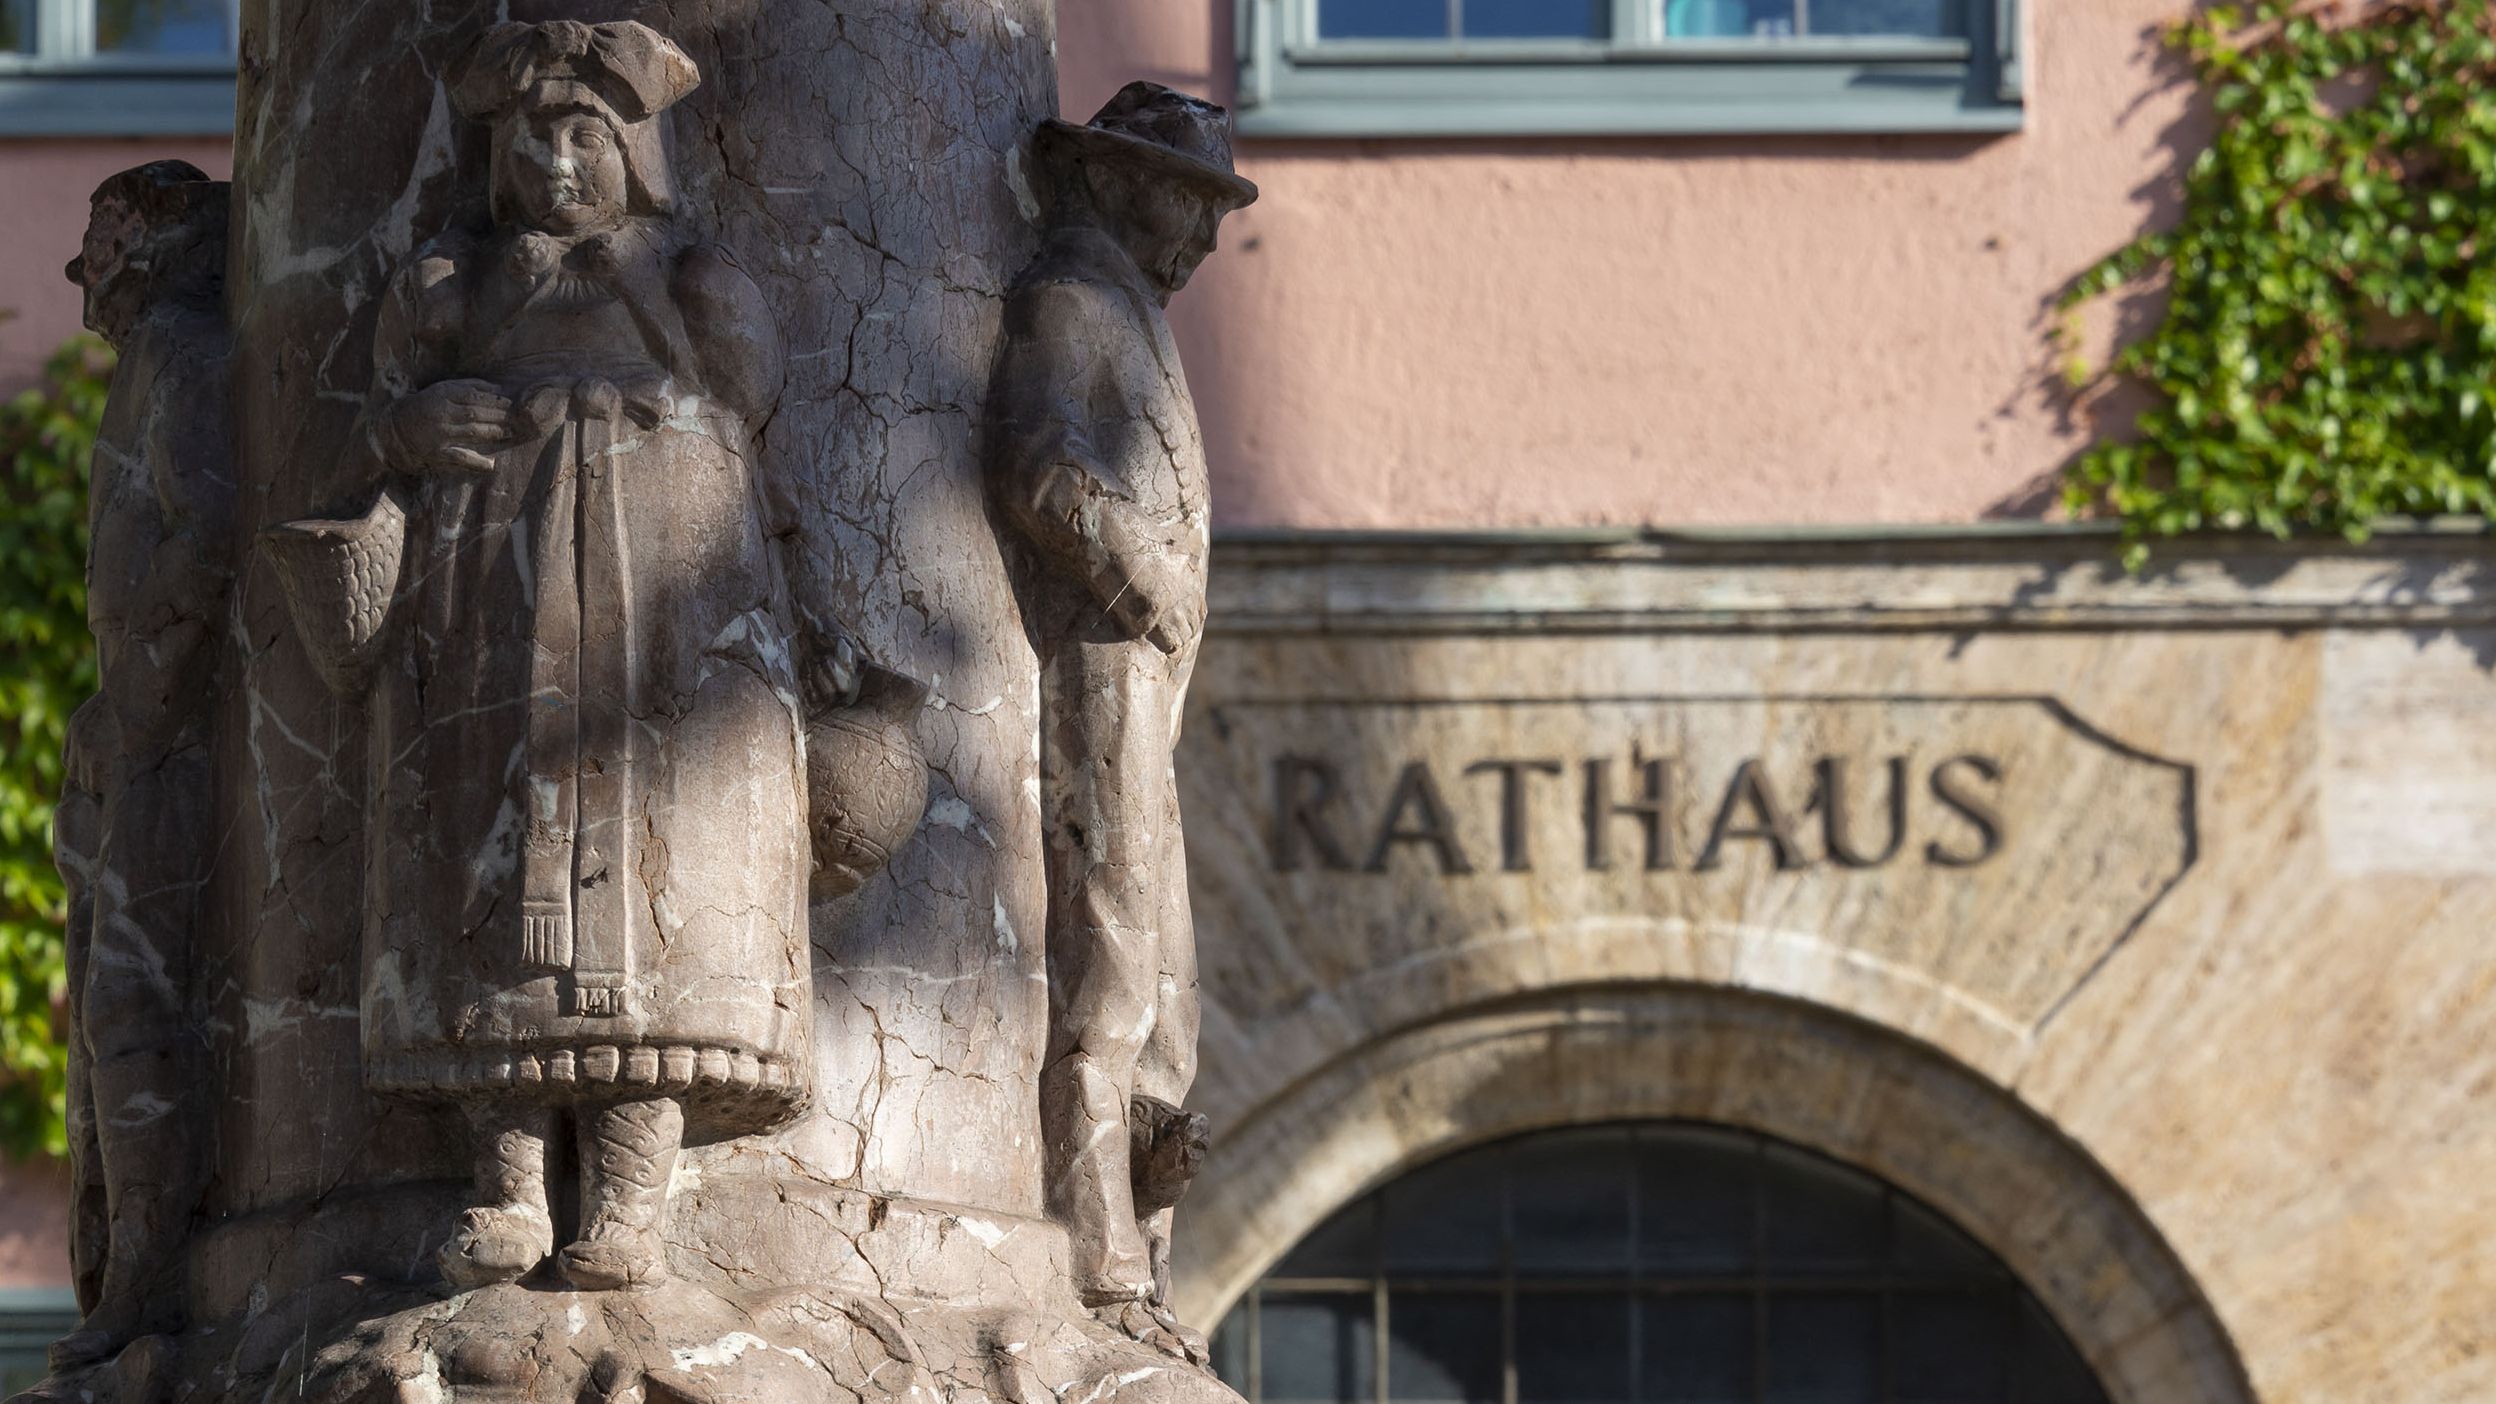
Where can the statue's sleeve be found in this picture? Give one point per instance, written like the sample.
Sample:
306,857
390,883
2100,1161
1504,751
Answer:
741,360
191,470
418,315
1048,475
735,336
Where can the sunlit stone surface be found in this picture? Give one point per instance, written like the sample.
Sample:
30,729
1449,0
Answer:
593,934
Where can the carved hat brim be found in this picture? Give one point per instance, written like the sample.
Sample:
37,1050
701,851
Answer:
1059,138
635,71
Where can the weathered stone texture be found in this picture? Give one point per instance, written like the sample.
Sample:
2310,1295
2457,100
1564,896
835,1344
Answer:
608,389
2199,1041
862,162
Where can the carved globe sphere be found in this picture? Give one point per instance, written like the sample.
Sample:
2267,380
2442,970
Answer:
866,782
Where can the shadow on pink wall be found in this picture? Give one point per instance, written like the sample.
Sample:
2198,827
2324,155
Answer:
2101,409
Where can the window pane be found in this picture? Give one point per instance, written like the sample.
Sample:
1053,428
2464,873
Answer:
1317,1349
1538,19
1382,19
1443,1220
1230,1348
1730,19
161,27
1695,1349
1443,1348
1951,1347
2049,1370
17,26
1824,1350
1823,1219
1696,1216
1925,1247
1926,18
1573,1348
1569,1195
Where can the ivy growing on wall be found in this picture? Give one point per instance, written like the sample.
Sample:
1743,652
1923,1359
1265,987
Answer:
48,437
2327,356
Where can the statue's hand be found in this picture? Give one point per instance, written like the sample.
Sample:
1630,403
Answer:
831,665
1178,626
533,256
1159,601
453,427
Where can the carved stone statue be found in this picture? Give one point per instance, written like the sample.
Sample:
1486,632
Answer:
1098,476
584,668
509,966
136,828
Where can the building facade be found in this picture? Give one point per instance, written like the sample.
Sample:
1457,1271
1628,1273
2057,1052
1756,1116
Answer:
1703,894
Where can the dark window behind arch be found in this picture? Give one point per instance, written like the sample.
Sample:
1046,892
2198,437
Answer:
1647,1263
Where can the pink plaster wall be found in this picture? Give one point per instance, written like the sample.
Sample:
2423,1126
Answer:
1543,333
34,1225
43,211
1655,331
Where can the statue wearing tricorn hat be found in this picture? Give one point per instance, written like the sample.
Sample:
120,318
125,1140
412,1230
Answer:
587,672
1098,475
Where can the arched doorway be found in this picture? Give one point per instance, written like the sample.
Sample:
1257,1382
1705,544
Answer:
1653,1262
1943,1134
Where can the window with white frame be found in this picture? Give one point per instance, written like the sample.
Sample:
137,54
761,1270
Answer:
1537,67
117,67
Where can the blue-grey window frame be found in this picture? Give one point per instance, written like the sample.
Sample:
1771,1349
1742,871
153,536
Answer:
1292,84
66,89
31,1319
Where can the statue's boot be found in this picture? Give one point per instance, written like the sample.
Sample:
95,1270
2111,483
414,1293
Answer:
120,1317
1092,1176
1148,1322
88,1345
1091,1191
150,1186
628,1155
509,1230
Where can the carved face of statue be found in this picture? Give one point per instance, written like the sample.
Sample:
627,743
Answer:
1168,229
1186,229
563,169
112,268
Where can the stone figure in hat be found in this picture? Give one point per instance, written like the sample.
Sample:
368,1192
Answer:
134,827
585,669
1097,476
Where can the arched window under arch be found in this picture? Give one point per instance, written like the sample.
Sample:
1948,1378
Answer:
1644,1263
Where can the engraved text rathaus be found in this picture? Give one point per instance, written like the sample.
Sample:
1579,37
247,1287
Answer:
1662,813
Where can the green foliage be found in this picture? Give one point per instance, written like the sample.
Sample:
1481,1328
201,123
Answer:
48,435
2328,353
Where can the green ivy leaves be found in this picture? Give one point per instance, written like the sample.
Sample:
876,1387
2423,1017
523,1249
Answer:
2328,353
48,435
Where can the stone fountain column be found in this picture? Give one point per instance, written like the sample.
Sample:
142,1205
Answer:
529,1060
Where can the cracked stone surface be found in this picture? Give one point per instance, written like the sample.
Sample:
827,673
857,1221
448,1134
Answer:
530,1064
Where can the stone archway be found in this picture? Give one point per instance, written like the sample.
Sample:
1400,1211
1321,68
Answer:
1830,1083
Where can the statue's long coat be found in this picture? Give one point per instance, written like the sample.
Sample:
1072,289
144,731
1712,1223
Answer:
588,847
